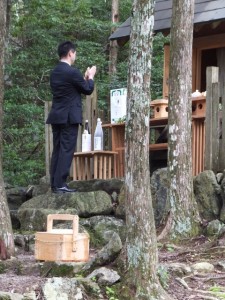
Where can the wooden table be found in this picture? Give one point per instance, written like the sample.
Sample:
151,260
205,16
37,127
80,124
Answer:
94,165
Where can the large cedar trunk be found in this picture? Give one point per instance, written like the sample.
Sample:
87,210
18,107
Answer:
141,244
183,219
6,234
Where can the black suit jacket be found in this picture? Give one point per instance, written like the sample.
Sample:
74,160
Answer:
67,85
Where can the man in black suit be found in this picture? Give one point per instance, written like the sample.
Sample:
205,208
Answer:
67,85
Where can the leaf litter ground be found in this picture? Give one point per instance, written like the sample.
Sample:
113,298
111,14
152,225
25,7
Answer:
21,277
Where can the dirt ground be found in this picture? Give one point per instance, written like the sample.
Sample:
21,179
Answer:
199,286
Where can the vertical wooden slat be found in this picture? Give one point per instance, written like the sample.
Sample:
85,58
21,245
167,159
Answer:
203,151
220,55
166,71
215,127
212,74
89,168
110,167
100,167
197,147
95,167
193,148
222,153
74,169
200,146
194,64
198,69
105,159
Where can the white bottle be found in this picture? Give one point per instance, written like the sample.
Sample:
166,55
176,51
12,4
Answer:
86,140
98,136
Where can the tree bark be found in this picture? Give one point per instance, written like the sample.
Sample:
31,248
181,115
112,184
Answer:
6,233
184,218
113,51
141,244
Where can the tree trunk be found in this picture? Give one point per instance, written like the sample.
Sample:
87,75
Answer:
6,234
184,218
113,51
141,244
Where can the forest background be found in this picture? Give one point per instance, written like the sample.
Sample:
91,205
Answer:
36,29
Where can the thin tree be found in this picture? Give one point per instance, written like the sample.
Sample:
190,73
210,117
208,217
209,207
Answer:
113,50
6,234
183,220
141,243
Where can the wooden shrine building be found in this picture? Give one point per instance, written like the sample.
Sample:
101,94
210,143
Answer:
208,51
208,44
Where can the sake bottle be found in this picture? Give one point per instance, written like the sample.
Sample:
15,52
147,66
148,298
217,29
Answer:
86,126
98,136
86,138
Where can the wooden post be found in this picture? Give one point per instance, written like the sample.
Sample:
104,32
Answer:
222,152
215,127
90,110
48,139
166,71
212,105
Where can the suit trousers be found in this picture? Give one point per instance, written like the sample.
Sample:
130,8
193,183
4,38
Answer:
64,143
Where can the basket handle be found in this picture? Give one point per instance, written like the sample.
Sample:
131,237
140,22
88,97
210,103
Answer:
65,217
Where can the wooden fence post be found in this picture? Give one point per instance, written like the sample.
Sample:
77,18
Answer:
90,110
222,145
211,120
48,139
215,126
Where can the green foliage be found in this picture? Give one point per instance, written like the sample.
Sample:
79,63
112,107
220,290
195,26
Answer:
37,27
2,268
110,292
218,291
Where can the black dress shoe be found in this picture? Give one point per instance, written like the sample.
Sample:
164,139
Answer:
64,189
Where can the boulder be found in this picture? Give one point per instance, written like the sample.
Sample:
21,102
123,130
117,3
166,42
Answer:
32,214
214,228
203,267
16,197
107,254
222,212
62,289
101,229
104,276
208,195
11,296
120,211
110,186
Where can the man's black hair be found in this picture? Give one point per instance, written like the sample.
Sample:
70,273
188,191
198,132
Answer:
64,48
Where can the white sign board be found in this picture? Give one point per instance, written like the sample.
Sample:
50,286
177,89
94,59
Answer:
118,100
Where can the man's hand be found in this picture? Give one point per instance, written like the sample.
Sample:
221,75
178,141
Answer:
86,74
90,73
